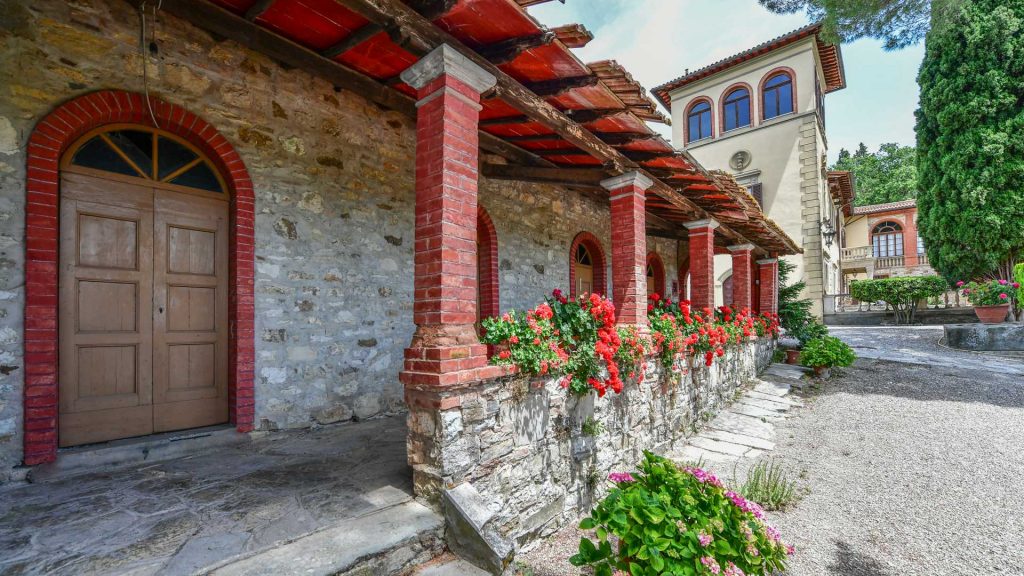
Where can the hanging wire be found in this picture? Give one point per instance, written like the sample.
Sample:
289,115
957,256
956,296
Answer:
142,53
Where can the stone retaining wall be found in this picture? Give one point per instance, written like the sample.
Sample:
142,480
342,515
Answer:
508,460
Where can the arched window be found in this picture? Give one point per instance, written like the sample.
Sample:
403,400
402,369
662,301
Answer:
777,95
887,240
698,121
736,109
655,275
587,269
487,302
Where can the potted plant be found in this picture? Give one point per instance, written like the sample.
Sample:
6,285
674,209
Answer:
804,333
824,353
991,299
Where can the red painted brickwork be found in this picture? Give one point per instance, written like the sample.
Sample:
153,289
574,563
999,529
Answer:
629,255
768,274
445,349
48,141
702,266
593,245
741,278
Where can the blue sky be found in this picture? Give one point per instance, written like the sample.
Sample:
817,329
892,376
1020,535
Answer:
656,40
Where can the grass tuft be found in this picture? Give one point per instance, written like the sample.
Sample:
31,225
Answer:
768,484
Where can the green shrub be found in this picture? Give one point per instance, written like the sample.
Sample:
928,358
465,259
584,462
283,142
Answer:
794,311
901,294
768,485
809,331
668,520
1018,277
827,351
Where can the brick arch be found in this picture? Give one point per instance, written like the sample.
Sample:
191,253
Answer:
592,244
760,89
655,261
49,140
686,118
683,277
487,264
721,104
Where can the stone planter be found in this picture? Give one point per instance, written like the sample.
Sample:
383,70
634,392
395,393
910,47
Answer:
992,314
822,372
792,356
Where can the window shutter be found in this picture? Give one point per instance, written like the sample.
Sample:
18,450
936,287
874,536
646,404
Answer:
755,191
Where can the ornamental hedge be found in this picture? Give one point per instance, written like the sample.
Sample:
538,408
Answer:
901,294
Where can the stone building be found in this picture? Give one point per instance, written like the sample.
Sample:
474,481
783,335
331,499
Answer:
760,115
282,214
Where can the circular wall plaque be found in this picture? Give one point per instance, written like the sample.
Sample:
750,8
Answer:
740,160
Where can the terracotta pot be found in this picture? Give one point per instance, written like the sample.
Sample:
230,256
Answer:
992,314
792,356
822,371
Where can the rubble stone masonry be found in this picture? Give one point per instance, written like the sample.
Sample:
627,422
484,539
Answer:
333,176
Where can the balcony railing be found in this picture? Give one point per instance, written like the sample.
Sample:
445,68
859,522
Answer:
888,262
858,253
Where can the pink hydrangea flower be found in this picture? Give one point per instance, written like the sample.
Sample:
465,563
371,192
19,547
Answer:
1003,296
959,284
703,476
620,477
1002,282
704,538
733,570
711,564
1016,284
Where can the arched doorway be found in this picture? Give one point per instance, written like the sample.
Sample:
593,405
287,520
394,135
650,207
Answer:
96,221
143,282
727,292
655,275
587,267
487,266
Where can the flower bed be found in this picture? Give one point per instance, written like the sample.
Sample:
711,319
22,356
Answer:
579,340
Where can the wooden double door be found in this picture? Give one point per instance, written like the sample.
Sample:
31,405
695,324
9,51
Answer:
143,310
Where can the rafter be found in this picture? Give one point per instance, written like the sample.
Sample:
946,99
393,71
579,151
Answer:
432,9
549,88
589,177
353,40
508,50
257,9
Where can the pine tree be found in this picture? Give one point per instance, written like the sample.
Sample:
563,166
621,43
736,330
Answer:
794,312
970,142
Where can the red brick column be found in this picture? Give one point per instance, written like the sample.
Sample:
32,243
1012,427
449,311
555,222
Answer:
702,263
629,246
742,256
445,349
768,277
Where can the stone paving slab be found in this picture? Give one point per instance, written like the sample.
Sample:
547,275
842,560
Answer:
455,568
176,516
740,424
341,547
772,388
755,412
774,398
764,404
788,371
705,443
743,439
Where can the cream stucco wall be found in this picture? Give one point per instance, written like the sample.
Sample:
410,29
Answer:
786,155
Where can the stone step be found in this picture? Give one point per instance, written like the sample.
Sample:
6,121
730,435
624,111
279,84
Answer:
772,388
388,541
755,412
719,446
764,404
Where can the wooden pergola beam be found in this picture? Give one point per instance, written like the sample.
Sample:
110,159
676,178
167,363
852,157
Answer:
226,24
432,9
508,50
613,138
257,9
558,86
353,40
589,177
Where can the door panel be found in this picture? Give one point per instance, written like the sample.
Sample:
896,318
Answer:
190,276
105,319
584,279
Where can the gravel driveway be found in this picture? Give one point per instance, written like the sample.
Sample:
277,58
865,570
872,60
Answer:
912,465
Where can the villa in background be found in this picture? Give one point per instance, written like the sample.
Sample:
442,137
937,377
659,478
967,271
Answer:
760,115
881,241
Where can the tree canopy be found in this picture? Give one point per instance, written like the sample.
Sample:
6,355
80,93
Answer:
888,175
897,23
970,141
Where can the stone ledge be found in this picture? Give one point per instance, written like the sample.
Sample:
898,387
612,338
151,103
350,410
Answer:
1006,337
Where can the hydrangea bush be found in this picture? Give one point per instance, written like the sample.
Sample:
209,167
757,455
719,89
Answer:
670,520
991,293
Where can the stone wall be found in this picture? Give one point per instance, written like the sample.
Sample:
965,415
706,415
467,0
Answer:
333,178
510,463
